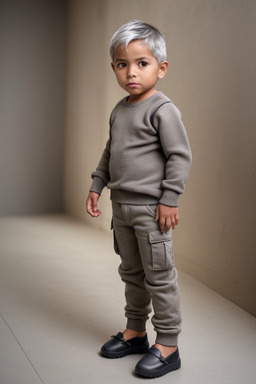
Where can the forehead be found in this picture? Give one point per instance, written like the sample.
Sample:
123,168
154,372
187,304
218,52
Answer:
135,49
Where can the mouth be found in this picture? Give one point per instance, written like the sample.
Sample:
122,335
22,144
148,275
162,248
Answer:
132,85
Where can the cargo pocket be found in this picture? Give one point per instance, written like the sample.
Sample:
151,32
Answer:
116,249
162,250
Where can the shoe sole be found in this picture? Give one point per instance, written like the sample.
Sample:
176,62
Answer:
159,372
130,351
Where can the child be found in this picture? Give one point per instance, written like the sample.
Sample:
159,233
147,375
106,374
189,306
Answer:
145,164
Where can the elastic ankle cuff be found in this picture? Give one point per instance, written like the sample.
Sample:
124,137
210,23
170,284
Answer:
167,340
136,325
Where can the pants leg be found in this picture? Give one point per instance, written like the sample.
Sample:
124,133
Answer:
138,303
148,266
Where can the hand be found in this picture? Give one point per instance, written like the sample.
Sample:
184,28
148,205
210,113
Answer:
167,216
92,204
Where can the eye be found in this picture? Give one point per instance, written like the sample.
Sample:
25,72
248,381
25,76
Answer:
121,65
143,64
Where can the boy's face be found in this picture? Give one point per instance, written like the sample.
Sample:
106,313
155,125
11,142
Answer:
137,70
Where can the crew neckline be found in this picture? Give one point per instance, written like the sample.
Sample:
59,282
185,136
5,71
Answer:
138,103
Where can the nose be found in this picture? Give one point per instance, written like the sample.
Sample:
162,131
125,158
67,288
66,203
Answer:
131,72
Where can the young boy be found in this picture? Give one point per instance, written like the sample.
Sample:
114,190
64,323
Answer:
145,164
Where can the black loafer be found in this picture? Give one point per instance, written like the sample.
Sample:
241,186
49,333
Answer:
153,364
119,347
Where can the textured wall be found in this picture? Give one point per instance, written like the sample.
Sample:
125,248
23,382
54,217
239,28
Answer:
211,78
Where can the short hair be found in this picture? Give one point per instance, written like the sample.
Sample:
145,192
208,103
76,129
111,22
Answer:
138,30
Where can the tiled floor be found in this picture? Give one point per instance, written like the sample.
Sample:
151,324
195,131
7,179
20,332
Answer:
61,299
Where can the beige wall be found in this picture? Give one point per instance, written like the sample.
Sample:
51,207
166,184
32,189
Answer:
32,103
211,78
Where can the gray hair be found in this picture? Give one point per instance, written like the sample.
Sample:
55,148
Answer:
138,30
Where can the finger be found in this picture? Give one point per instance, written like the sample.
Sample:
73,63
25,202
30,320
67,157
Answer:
95,214
95,211
176,221
157,214
88,207
173,223
168,224
162,225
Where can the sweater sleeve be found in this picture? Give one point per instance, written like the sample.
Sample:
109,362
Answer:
101,174
176,148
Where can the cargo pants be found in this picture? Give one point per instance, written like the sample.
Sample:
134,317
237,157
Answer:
148,271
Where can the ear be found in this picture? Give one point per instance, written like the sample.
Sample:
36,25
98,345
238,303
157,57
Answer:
113,67
162,69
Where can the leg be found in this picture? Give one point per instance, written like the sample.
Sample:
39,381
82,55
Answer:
157,257
131,271
134,338
161,281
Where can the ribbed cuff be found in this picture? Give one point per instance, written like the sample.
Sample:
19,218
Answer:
167,340
169,198
136,325
97,185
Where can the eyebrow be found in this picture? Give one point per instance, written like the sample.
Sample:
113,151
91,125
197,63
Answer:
138,59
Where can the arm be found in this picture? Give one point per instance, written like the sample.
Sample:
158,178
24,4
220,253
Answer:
101,174
100,180
175,146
